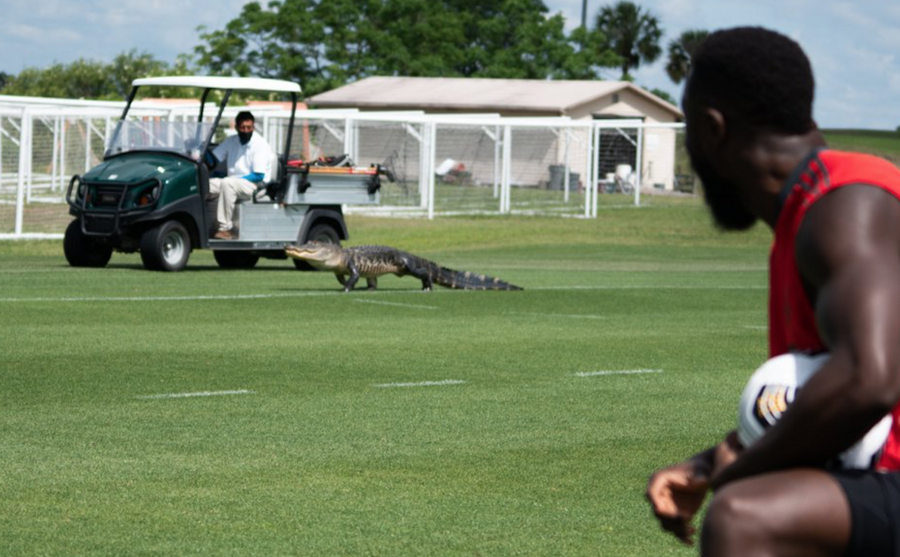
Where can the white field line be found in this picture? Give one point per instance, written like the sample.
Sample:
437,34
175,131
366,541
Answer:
398,304
341,293
189,395
647,268
34,236
564,315
617,372
420,384
757,327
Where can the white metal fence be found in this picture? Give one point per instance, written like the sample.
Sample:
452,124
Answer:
443,164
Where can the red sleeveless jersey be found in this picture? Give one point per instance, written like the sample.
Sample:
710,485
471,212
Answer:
792,321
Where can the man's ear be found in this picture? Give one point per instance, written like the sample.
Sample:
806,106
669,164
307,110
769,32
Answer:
715,122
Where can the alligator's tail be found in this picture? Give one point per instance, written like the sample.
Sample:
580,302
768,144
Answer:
470,281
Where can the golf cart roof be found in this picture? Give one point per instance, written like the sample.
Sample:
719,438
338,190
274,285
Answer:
213,82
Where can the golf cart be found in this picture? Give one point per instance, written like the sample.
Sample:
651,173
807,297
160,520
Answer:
150,192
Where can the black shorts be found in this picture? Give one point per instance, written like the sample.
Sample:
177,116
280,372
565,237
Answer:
874,512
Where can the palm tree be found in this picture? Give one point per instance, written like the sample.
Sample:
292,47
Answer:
633,33
680,52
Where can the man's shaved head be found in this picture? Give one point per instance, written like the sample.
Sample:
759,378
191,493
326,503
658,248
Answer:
745,83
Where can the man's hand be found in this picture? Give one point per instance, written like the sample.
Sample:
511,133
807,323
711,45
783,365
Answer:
210,160
677,492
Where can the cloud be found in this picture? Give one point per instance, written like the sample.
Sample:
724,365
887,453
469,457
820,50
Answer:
863,76
48,31
31,33
54,10
878,23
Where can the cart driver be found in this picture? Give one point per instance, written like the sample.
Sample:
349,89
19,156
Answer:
248,157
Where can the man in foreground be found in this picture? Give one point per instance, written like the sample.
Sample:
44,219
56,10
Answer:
834,285
247,156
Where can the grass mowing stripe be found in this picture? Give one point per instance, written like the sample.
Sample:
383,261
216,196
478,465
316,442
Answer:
420,384
563,315
649,287
398,304
190,395
617,372
169,298
318,293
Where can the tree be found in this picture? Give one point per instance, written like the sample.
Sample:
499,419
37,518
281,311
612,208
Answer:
128,66
82,79
590,55
633,34
518,41
323,45
4,79
507,38
288,41
89,79
680,52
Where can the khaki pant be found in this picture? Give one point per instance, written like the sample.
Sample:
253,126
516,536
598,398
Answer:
229,190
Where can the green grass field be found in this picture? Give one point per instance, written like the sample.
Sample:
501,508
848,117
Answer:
320,450
882,143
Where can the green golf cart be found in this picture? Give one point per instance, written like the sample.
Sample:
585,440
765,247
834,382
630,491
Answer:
149,194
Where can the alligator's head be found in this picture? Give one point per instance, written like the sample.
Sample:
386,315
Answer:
320,255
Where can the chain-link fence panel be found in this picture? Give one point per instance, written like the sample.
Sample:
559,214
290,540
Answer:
10,148
639,164
61,145
311,138
684,180
467,167
617,160
397,147
546,175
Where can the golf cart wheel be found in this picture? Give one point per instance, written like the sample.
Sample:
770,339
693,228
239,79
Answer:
319,233
84,251
166,247
235,259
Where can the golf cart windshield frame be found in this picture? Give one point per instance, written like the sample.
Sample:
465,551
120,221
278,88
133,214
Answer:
212,130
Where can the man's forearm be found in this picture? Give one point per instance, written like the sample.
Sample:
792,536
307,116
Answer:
704,461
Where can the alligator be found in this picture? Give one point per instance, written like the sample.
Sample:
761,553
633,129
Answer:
370,262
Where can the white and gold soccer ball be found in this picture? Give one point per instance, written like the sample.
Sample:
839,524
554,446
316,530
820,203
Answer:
772,388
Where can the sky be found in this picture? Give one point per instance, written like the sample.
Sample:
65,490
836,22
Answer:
852,44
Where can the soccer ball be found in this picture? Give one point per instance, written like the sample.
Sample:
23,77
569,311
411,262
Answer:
771,390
